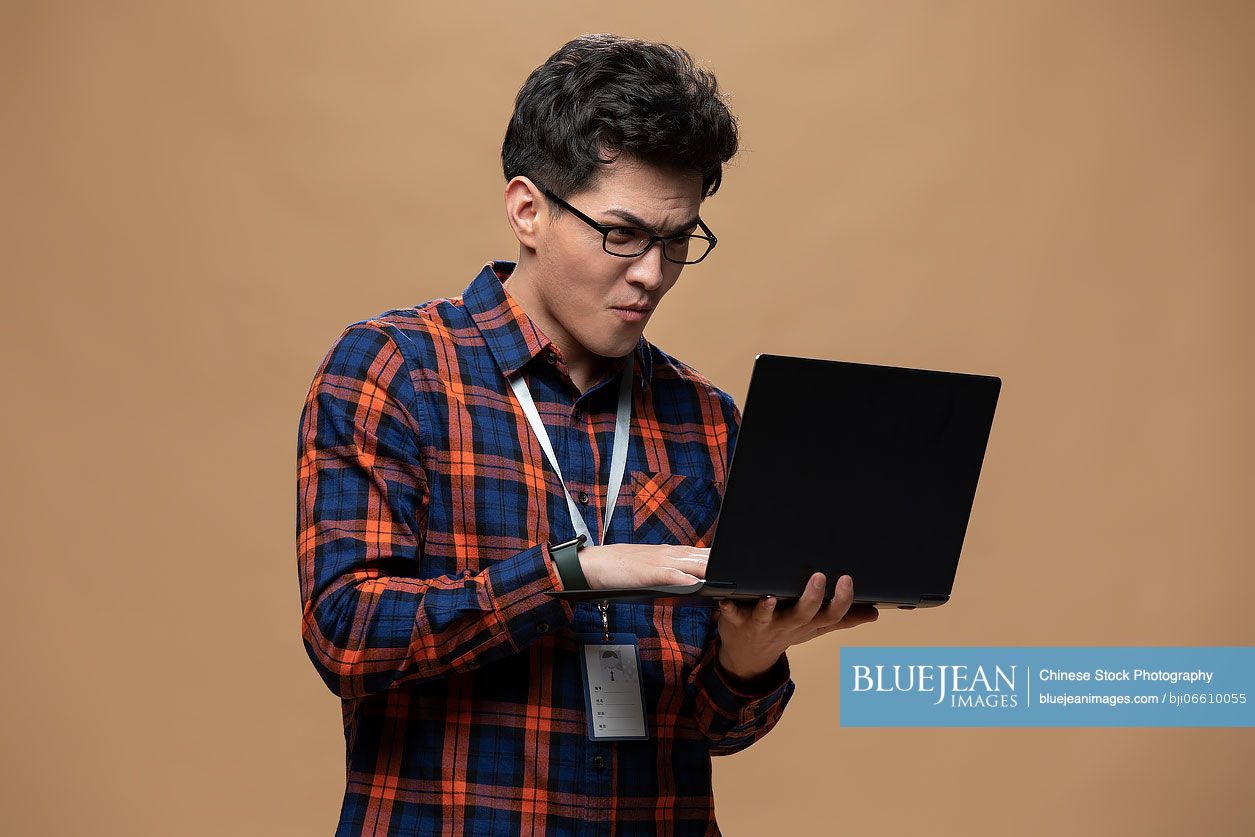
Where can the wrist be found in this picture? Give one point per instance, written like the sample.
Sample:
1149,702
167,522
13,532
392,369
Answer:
566,560
744,671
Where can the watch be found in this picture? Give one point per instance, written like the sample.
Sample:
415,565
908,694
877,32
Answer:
566,557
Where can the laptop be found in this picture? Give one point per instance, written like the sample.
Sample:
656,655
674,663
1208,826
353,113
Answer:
844,468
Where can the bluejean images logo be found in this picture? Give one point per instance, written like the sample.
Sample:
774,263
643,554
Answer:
964,686
1048,686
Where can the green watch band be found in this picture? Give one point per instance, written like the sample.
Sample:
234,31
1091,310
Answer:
566,558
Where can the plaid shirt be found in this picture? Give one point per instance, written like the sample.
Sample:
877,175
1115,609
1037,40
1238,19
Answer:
425,509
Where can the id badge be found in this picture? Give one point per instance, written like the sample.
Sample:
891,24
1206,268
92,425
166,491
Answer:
614,699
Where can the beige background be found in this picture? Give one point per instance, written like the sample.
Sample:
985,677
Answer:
196,199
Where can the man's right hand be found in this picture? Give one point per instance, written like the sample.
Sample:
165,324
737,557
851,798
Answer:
642,565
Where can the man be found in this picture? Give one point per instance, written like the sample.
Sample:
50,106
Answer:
430,512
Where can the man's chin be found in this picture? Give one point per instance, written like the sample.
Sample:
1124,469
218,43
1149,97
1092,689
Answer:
619,348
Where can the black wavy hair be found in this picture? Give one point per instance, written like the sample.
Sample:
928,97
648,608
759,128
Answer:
602,95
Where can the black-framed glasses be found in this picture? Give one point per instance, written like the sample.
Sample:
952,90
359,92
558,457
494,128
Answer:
628,242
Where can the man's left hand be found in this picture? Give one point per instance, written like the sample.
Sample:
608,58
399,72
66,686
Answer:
753,636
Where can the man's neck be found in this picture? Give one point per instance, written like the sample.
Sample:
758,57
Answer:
584,366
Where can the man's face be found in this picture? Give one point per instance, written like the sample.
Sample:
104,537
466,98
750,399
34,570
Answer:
585,289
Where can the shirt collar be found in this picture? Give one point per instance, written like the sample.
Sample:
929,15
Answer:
512,337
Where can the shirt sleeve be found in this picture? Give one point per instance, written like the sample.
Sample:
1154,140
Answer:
730,712
370,621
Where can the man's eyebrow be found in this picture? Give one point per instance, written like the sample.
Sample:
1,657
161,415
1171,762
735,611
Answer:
632,219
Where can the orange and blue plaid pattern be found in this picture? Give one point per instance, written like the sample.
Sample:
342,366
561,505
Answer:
425,507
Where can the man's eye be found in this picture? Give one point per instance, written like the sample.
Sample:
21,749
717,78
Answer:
622,235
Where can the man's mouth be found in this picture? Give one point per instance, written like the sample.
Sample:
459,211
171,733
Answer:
632,315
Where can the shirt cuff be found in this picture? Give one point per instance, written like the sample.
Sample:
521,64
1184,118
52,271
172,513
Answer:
742,700
520,588
758,687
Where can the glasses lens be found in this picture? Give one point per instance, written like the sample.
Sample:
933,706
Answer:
626,241
679,249
688,248
630,241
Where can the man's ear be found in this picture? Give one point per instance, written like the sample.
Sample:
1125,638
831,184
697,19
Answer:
526,210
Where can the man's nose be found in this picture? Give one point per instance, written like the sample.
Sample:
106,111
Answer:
646,269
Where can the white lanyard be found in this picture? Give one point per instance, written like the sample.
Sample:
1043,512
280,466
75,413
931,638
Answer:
618,456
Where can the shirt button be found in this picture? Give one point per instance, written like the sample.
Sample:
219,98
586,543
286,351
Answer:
551,357
542,627
584,498
599,762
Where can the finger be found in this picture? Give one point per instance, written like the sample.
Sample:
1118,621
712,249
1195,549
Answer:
691,561
692,566
856,617
677,576
863,613
859,615
808,605
728,610
764,610
839,606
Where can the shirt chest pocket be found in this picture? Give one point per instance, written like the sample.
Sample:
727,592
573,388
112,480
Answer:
670,508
